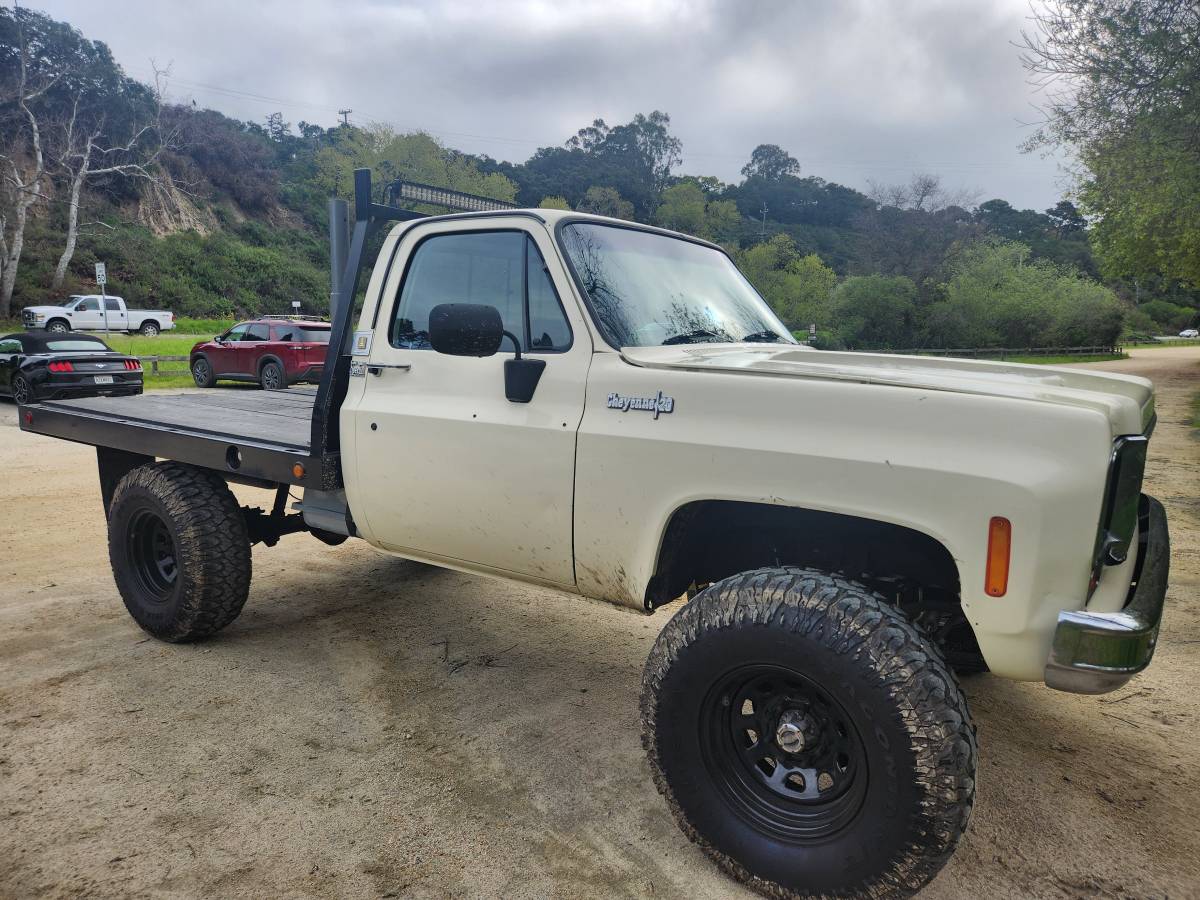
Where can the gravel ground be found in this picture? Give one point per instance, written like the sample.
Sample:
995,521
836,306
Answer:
372,727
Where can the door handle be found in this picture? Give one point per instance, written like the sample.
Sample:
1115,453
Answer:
376,369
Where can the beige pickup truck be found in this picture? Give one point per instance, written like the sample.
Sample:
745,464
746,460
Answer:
611,410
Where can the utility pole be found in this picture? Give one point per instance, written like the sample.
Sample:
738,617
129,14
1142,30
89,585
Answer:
763,233
345,114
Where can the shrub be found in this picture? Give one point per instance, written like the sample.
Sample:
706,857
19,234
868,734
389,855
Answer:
997,297
876,311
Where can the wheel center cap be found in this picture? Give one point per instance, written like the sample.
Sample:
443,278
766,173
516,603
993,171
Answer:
795,732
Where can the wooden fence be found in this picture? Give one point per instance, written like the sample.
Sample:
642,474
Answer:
153,365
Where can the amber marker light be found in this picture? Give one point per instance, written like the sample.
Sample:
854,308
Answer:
995,579
297,470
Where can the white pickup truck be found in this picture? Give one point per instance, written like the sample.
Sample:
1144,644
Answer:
611,410
93,312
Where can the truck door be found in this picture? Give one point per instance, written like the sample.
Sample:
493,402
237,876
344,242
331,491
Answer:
250,349
224,360
87,316
117,320
444,465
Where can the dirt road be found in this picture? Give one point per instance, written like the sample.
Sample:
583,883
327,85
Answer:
375,728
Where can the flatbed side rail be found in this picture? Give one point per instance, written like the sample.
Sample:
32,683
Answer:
238,457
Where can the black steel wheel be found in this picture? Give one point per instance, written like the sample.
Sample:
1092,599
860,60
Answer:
202,373
22,390
271,377
784,752
179,550
150,554
809,737
149,329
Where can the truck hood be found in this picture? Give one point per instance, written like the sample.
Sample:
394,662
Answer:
1126,400
45,309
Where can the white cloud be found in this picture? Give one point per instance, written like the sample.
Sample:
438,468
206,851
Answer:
855,89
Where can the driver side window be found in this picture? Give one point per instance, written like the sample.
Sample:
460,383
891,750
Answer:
236,333
90,305
497,268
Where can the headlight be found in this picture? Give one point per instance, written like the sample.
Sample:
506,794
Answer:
39,315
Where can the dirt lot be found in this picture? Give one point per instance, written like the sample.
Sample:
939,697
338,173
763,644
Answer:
374,728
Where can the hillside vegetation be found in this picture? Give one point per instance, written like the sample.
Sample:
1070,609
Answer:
216,218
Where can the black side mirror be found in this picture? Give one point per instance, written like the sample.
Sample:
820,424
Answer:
466,329
471,329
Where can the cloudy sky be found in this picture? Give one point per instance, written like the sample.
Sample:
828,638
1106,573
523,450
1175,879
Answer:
854,89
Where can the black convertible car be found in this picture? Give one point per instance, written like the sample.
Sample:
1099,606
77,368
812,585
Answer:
38,365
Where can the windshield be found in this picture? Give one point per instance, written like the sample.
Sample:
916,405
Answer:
649,289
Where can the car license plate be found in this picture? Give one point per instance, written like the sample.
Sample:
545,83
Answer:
104,379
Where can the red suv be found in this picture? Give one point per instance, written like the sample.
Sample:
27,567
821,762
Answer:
275,351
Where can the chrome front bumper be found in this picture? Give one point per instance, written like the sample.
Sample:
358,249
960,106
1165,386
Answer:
1095,653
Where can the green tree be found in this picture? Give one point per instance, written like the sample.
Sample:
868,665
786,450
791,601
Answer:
797,287
876,312
412,157
682,209
771,162
554,203
606,201
1122,79
687,207
1167,316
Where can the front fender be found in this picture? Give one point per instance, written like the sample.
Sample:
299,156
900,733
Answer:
937,462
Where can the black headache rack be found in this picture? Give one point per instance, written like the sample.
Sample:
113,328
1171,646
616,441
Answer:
368,217
260,437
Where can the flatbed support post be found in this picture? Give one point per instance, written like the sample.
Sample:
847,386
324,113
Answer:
115,465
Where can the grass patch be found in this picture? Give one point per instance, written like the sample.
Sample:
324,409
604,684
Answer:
166,344
1196,410
1066,359
206,327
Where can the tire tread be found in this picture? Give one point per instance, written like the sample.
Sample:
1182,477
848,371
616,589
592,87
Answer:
852,620
213,546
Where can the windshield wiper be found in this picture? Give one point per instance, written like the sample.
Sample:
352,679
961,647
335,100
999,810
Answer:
694,337
764,337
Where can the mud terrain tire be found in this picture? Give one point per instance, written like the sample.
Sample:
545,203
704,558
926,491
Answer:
179,551
808,737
